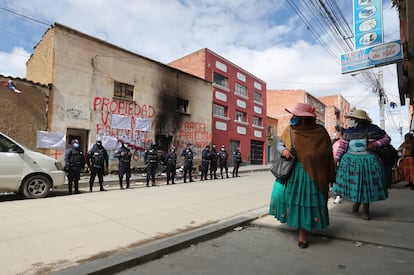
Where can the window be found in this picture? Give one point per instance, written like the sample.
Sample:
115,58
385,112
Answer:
219,110
220,80
241,90
123,90
182,105
257,121
257,97
240,116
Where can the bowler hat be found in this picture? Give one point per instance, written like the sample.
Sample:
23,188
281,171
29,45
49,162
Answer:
302,109
360,114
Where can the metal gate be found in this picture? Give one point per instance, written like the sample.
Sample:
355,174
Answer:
256,152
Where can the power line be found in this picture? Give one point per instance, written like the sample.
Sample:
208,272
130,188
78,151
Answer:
29,18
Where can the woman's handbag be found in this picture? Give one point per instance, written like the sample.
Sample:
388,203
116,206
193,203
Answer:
387,153
282,167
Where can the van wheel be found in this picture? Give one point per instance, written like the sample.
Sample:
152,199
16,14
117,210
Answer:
37,186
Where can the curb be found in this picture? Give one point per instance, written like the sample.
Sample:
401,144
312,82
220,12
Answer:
84,181
155,250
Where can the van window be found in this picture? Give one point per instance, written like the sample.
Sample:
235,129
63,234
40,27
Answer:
5,144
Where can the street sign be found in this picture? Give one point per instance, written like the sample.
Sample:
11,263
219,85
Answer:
375,56
368,27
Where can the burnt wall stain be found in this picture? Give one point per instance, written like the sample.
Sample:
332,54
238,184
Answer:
168,121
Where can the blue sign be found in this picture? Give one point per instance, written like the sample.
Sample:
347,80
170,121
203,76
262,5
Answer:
368,29
374,56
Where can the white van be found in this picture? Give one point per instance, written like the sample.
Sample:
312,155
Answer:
26,172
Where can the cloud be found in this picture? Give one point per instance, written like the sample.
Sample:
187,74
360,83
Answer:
264,37
14,63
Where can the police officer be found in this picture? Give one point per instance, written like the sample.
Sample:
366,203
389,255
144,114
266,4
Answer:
74,163
188,155
171,162
123,153
237,159
223,158
151,160
98,163
205,161
213,162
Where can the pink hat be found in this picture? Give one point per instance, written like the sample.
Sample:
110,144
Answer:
302,109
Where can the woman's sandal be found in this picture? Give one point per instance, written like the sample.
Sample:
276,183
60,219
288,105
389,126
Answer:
303,245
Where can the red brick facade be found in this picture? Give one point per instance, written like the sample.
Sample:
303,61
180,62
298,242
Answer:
239,103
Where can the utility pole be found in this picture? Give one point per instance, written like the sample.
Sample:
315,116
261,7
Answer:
382,99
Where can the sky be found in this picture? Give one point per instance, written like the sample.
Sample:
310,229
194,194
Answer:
265,37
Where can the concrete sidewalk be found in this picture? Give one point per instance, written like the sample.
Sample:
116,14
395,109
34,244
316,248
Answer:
391,231
138,179
45,235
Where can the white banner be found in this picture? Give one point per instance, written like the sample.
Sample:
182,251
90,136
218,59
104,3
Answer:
121,122
110,143
49,140
143,124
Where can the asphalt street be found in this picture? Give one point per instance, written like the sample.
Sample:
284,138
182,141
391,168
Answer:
204,227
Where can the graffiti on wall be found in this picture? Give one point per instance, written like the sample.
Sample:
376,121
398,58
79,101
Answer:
195,132
105,107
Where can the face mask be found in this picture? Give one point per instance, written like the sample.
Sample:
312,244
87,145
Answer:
353,123
295,121
76,145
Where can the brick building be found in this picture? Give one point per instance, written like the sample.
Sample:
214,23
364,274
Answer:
278,100
336,109
238,100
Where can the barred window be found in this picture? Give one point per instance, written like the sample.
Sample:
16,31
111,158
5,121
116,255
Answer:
219,110
123,90
220,80
257,97
241,90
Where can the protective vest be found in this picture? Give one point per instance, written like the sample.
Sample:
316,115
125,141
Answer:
172,158
98,157
126,158
152,156
75,158
223,156
189,155
238,156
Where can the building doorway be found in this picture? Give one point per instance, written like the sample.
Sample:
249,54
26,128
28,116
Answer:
256,152
79,134
233,145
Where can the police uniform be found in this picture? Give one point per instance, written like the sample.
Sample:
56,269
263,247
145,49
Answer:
237,158
74,163
188,155
223,156
124,167
205,162
151,160
171,162
97,161
213,163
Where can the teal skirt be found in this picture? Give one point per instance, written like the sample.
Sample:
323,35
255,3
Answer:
361,178
298,202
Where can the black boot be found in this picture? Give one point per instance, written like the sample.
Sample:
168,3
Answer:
355,207
120,184
365,211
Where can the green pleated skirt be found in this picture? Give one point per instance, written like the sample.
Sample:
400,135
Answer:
298,202
361,178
